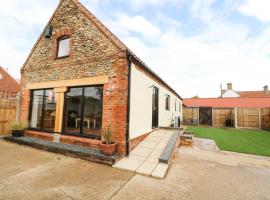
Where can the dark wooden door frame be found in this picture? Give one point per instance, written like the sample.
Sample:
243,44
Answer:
205,116
155,107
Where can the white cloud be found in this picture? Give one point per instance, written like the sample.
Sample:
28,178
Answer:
138,24
192,65
257,8
199,64
201,8
138,4
21,23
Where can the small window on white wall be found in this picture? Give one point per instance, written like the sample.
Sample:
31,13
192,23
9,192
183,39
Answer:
167,106
180,107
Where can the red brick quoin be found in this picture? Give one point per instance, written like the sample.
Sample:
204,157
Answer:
114,114
56,36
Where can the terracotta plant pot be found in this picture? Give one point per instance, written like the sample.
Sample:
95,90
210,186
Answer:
108,149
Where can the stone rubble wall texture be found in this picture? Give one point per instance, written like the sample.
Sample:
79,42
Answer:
88,43
91,54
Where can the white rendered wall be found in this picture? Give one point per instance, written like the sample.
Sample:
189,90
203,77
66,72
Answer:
141,104
230,93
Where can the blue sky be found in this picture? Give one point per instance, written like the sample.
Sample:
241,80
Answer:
194,45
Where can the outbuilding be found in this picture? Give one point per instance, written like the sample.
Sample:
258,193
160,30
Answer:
233,112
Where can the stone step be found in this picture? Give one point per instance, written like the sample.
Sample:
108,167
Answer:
188,133
186,138
71,150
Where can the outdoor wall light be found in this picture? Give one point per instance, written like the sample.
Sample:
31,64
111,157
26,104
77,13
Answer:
110,86
48,31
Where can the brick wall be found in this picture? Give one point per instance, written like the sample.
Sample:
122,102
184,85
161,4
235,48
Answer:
115,104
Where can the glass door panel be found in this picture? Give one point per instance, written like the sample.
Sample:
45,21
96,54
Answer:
92,110
73,110
49,110
36,110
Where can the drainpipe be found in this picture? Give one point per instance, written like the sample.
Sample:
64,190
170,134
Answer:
128,102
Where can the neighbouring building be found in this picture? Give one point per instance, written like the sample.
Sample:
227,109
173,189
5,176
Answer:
9,87
80,79
249,94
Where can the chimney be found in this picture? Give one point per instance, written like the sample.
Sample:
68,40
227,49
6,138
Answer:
265,89
229,86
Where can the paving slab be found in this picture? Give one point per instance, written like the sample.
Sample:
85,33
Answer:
144,159
146,168
160,170
128,164
135,157
142,151
147,144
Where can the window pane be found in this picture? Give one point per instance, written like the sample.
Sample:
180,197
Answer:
36,113
168,102
92,110
73,110
49,111
63,47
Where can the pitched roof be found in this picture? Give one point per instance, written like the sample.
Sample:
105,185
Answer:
115,40
236,102
251,94
7,83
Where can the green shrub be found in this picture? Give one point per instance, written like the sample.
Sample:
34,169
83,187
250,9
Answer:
17,125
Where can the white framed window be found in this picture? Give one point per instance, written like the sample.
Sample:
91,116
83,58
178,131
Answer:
63,46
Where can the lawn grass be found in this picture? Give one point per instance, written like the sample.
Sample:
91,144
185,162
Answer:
237,140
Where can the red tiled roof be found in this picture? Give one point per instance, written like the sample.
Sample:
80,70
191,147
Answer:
236,102
7,83
253,94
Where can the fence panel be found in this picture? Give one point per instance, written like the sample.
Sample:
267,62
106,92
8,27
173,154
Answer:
265,117
7,114
221,117
190,115
248,117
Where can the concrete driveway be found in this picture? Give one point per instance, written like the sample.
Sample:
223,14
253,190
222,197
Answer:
27,173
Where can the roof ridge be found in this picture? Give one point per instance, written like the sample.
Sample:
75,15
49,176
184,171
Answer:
250,91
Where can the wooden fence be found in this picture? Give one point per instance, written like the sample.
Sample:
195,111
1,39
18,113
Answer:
191,115
223,117
265,117
248,117
243,118
7,112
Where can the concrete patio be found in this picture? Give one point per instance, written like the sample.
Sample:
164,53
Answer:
28,173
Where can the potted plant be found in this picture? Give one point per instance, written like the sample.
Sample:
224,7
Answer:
108,146
17,128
